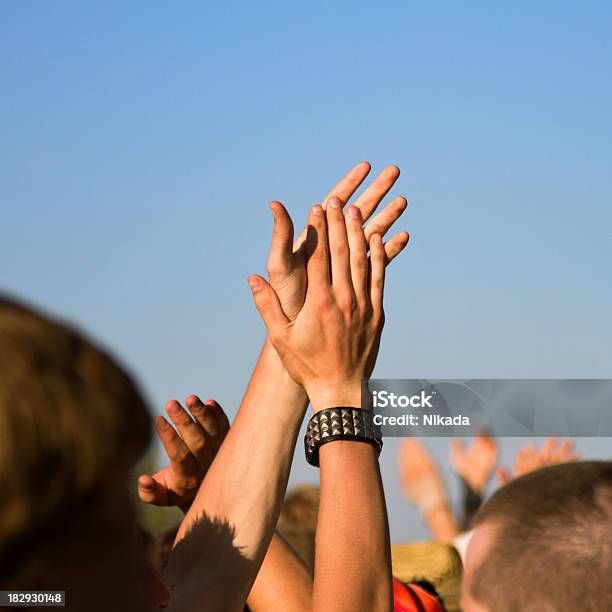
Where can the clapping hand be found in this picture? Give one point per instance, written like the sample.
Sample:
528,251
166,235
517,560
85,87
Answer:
190,451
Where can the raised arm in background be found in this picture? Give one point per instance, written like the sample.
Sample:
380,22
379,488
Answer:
330,349
530,458
284,580
232,518
423,485
474,464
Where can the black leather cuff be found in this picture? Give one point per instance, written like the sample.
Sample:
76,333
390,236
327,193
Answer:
340,423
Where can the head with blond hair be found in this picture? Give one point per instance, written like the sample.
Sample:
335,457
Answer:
72,424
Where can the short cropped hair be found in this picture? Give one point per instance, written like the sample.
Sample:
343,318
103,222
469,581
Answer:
72,422
551,547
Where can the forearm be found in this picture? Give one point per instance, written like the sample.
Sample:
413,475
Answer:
353,559
441,522
233,515
284,581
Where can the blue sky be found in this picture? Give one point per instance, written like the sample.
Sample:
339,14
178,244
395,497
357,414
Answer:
141,142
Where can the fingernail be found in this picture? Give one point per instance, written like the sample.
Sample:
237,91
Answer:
161,422
317,210
272,209
174,409
195,406
334,203
253,282
376,239
354,212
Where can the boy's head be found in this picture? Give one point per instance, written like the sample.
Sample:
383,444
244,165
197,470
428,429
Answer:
544,542
72,424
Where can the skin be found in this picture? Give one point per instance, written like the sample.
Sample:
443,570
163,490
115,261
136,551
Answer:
283,581
190,451
422,483
212,574
340,321
529,458
474,463
330,349
483,538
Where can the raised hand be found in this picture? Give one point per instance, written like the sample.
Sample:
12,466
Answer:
287,259
476,462
190,452
331,346
529,458
420,477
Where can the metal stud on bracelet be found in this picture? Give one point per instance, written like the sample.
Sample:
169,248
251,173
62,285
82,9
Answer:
340,423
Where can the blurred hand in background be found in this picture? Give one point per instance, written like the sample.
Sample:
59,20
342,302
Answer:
529,458
474,463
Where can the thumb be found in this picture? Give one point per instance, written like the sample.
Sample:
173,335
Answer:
151,491
268,305
280,260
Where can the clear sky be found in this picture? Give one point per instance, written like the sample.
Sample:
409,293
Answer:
140,144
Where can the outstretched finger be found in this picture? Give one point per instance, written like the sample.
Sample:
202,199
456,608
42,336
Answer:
358,252
566,448
339,251
382,222
317,251
369,200
192,433
550,446
182,462
280,259
348,184
503,475
395,246
377,272
211,418
343,190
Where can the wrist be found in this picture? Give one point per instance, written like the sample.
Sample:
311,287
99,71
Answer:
434,507
477,485
330,394
276,368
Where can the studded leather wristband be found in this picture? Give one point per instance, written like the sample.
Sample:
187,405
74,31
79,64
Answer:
340,423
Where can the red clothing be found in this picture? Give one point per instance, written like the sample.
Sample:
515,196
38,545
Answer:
414,598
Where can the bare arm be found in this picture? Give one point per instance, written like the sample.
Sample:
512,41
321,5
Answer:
352,532
284,581
330,348
237,506
423,484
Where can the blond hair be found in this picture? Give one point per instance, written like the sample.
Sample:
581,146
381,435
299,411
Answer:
71,422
